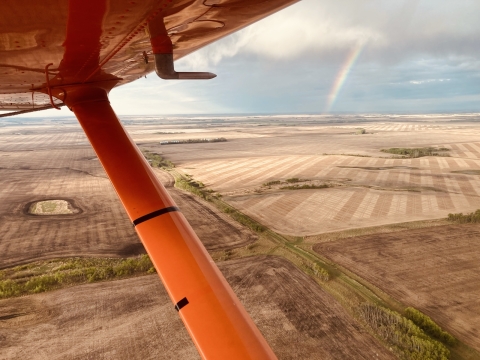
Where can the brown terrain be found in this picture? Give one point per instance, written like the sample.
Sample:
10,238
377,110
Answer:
133,318
56,163
434,270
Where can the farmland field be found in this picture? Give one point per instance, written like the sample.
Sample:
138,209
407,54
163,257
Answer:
371,187
134,319
436,270
44,162
303,176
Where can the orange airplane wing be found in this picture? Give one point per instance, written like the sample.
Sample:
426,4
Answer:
55,53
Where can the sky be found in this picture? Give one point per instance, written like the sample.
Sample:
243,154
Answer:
327,57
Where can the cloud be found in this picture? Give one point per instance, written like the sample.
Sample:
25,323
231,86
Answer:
156,96
419,82
325,30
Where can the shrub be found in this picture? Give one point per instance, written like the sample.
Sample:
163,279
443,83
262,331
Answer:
9,288
417,152
275,182
473,217
402,334
429,326
39,284
320,272
293,180
194,187
241,218
157,161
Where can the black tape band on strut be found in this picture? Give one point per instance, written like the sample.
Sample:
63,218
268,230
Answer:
154,214
182,303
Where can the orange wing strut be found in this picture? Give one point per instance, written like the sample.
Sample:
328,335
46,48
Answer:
216,320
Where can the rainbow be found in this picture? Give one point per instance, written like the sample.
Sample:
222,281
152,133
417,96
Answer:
342,75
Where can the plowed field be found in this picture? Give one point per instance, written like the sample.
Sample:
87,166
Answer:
134,319
55,162
436,270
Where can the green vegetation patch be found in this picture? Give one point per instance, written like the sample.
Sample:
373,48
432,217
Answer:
417,152
293,180
185,182
460,218
425,323
240,217
320,272
270,183
49,275
361,132
307,184
195,187
407,339
157,161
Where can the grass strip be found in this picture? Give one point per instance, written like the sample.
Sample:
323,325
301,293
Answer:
156,160
460,218
54,274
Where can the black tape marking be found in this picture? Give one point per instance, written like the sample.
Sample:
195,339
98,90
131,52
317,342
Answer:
182,303
154,214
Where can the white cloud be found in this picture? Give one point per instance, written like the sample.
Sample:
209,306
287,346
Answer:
156,96
419,82
326,29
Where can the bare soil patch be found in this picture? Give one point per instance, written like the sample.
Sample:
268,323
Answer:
436,270
52,207
134,319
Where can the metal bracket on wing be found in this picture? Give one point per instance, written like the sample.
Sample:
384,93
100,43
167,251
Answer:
49,89
162,49
165,69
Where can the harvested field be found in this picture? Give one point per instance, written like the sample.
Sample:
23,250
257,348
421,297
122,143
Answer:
373,191
435,270
375,188
45,162
134,319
